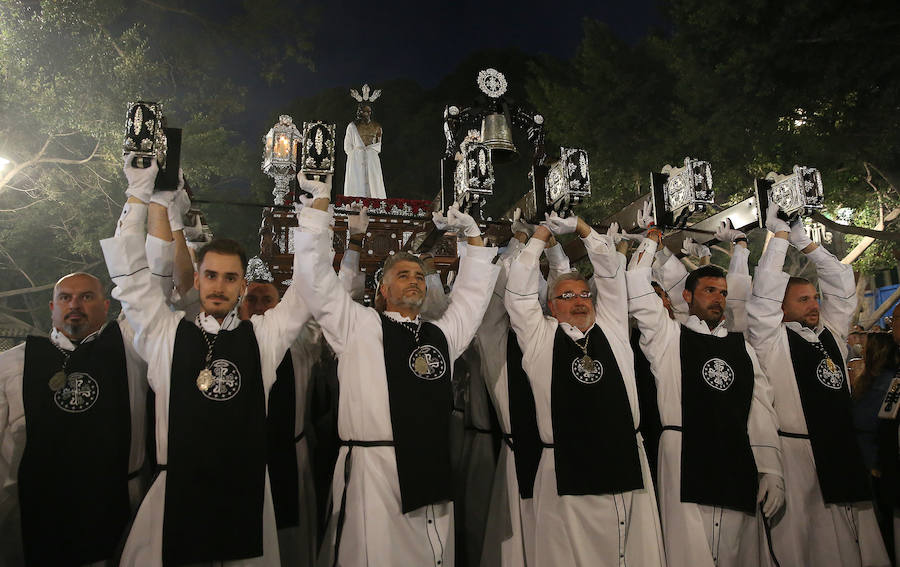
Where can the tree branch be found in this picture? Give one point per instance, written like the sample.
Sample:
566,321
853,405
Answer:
867,241
877,234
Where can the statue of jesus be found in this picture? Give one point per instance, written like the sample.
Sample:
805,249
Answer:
362,143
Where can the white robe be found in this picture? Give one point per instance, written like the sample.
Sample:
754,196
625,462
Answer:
698,535
592,530
375,531
155,326
298,545
509,534
809,532
13,435
362,177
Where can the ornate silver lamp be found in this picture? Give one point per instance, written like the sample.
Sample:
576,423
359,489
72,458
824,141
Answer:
568,182
797,194
317,154
145,133
474,177
280,155
679,192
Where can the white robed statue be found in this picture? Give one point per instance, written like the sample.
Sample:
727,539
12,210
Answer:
362,143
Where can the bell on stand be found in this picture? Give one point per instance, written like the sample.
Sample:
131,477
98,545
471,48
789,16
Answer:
496,134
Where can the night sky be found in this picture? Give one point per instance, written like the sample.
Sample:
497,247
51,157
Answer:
362,41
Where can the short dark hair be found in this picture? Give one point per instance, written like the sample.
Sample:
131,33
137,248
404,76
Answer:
707,271
223,246
401,256
796,280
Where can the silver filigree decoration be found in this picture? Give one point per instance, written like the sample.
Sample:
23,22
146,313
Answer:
138,120
492,82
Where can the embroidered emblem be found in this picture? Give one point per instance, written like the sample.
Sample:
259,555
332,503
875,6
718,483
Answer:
718,374
226,381
79,394
587,370
427,363
829,375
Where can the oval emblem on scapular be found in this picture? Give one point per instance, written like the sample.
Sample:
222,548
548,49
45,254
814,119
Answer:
587,370
226,381
427,363
79,394
718,374
829,375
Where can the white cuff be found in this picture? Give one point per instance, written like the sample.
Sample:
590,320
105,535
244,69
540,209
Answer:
314,220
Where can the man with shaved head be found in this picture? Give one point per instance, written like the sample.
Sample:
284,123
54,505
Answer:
800,337
71,433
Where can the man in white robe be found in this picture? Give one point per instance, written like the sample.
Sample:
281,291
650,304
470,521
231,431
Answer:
78,309
706,528
509,535
368,524
819,525
297,522
363,177
581,520
220,282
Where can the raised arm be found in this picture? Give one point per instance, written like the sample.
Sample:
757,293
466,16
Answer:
739,288
525,314
769,283
647,308
328,301
142,300
353,280
836,283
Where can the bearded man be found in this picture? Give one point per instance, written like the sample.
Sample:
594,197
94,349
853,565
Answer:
801,342
392,487
718,453
71,433
211,375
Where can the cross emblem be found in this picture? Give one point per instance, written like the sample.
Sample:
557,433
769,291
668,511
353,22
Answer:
222,380
77,390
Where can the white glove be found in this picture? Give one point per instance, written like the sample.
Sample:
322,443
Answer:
692,248
613,234
773,223
518,225
318,189
771,493
727,233
645,216
798,236
179,207
140,181
559,225
358,224
194,233
462,222
439,220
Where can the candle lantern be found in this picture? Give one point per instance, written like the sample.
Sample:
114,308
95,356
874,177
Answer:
280,155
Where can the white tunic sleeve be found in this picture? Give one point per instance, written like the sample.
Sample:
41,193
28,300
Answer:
526,317
12,444
739,289
318,284
611,304
469,298
658,331
838,288
671,274
762,424
351,278
142,300
764,313
278,328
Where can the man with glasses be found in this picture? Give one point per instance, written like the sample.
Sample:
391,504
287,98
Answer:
593,494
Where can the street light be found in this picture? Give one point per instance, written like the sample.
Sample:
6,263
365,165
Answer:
3,163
